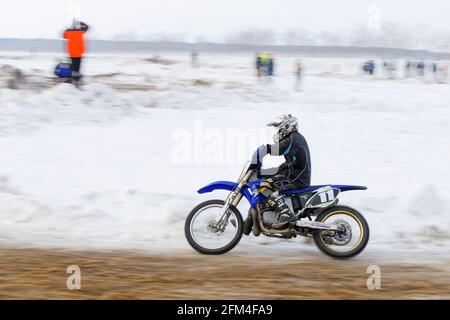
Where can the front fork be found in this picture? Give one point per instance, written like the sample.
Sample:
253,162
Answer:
232,199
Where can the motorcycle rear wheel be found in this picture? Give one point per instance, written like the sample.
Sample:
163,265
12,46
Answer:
360,222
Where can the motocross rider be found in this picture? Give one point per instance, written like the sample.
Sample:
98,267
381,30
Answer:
294,173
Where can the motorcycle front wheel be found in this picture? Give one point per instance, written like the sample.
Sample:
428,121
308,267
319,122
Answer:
347,243
206,239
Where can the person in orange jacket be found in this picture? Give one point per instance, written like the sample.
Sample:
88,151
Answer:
76,46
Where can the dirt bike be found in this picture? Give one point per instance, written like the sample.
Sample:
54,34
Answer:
216,226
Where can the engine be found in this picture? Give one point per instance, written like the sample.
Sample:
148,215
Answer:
269,216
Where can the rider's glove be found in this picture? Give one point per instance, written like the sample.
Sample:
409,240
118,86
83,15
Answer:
257,157
254,166
255,163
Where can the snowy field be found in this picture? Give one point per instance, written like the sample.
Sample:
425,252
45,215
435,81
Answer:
116,165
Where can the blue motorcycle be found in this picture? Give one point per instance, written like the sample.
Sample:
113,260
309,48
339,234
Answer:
216,226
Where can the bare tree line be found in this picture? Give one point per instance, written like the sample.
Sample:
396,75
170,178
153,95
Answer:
391,35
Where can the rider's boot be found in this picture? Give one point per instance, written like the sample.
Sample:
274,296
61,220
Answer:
285,215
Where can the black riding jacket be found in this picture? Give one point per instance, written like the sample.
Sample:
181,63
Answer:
295,150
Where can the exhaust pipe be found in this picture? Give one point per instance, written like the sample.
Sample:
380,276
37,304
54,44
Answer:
317,225
256,230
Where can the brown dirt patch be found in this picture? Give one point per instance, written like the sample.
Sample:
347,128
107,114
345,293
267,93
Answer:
41,274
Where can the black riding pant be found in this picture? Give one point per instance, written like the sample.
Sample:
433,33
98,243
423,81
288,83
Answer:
75,68
76,64
279,182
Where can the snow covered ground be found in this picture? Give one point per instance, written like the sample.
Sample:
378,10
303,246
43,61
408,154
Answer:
116,165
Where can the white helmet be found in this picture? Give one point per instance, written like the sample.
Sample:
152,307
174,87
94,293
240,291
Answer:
285,124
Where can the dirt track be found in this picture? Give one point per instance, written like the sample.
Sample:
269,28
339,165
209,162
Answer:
41,274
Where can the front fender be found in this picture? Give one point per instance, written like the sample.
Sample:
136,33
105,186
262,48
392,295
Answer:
225,185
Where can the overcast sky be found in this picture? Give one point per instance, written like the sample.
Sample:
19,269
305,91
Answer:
211,19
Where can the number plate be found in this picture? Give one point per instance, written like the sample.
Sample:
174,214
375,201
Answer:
323,197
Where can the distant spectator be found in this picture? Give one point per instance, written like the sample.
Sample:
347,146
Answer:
408,67
421,68
434,70
270,67
76,46
265,65
194,59
369,67
258,66
298,76
442,72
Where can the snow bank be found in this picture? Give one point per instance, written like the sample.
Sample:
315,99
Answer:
62,104
107,220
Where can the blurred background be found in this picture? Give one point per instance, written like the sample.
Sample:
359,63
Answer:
102,169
